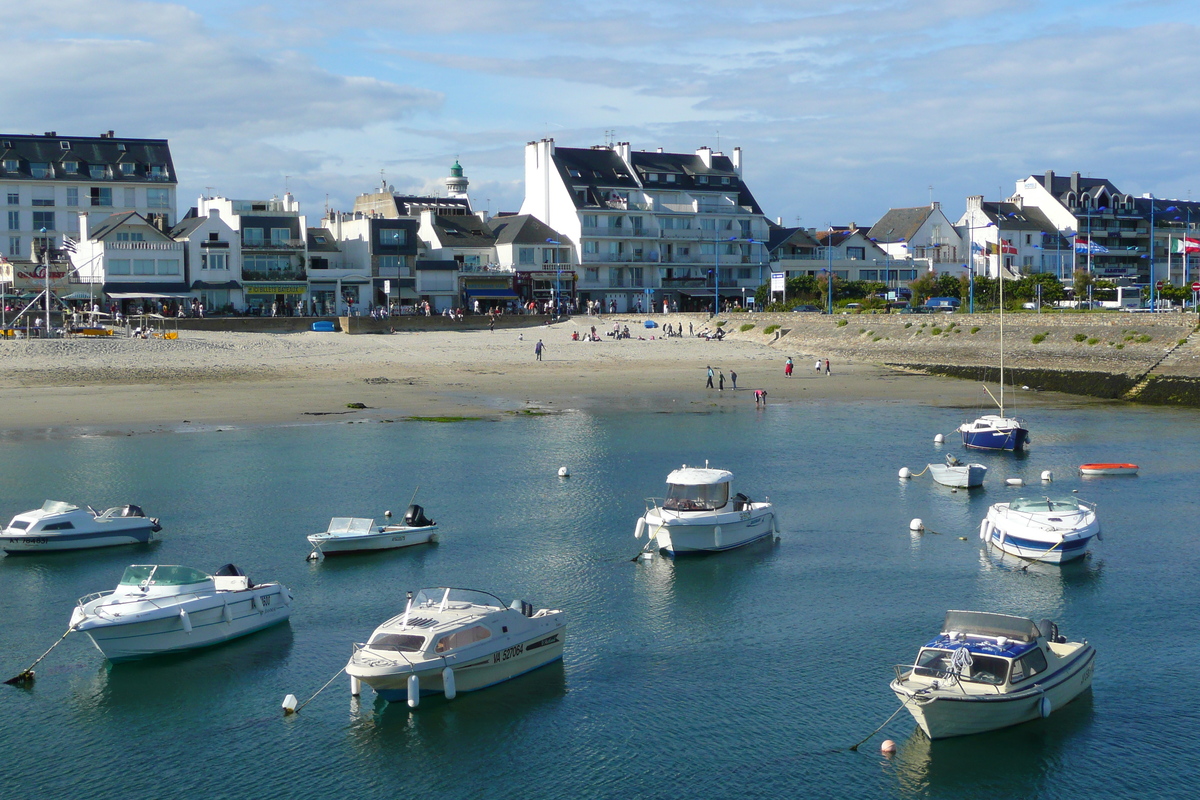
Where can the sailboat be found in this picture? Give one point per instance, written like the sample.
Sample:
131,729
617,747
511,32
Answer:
996,431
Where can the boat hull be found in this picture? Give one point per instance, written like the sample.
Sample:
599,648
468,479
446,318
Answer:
708,533
380,540
45,541
1013,439
521,655
967,476
1108,469
947,714
163,631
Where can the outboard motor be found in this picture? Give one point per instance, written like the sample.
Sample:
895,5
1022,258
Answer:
740,502
415,517
132,511
1050,631
231,571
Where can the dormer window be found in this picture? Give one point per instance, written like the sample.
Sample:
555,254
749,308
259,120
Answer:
40,170
652,177
70,166
670,177
121,148
702,179
127,168
11,165
724,181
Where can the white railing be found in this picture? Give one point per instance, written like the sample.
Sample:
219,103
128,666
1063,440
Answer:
143,245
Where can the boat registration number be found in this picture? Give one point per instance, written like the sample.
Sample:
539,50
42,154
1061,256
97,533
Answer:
33,540
397,538
507,653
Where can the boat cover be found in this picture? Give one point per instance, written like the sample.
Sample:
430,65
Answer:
982,623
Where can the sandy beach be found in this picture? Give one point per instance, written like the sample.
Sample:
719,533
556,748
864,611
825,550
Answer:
219,378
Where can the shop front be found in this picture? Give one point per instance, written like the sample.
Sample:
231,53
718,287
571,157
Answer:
282,299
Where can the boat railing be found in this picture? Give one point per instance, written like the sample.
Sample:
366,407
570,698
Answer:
87,598
174,599
377,656
1035,517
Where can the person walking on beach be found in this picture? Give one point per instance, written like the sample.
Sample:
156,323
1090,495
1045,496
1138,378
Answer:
733,377
818,366
709,385
721,381
827,366
787,368
538,348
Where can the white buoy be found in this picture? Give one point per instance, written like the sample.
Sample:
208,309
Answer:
186,620
563,472
717,535
448,683
1047,476
289,704
1015,482
255,603
414,691
888,747
227,613
388,513
1046,706
939,439
905,472
916,525
355,686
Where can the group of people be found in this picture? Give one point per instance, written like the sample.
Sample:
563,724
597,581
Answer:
820,364
720,379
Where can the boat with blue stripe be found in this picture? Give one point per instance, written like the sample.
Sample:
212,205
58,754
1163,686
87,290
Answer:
1050,529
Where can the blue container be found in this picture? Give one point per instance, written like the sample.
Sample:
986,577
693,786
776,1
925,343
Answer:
323,326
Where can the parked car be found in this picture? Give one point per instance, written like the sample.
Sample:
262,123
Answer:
805,308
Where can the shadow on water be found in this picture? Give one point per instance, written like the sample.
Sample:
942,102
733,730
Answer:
1013,762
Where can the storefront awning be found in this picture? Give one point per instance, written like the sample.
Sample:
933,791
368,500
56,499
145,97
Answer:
493,294
725,292
215,284
148,295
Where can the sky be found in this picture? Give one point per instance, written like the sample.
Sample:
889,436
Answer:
843,108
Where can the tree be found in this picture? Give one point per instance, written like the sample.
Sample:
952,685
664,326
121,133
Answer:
1083,279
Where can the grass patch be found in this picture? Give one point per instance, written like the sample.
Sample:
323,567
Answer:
1080,337
975,329
749,326
1038,338
1119,346
841,323
1143,338
862,330
936,331
877,338
1093,341
446,419
908,324
1180,343
721,324
356,405
772,328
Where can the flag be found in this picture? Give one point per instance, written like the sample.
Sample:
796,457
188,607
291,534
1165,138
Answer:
1007,248
1185,245
1086,246
976,247
69,244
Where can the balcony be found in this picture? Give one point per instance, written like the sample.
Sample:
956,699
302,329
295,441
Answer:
684,234
279,244
273,275
498,269
143,245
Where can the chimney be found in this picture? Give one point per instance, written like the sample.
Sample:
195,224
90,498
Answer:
935,205
51,134
1049,181
1075,182
705,155
975,202
737,161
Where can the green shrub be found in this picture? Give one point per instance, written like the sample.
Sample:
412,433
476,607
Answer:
877,338
1038,338
749,326
975,329
721,324
936,331
1120,346
1143,338
771,329
841,323
1181,342
1093,341
862,330
1080,337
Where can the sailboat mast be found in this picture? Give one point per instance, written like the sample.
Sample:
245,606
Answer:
1000,275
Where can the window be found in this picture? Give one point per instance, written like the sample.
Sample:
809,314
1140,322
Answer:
127,168
130,198
72,196
143,266
43,196
252,236
14,245
696,497
12,165
98,172
40,169
70,167
591,246
745,225
168,266
118,266
670,177
280,236
158,172
708,224
591,274
393,237
100,196
635,223
453,641
652,177
130,236
1028,665
589,221
701,179
574,173
14,198
158,198
908,274
856,252
43,219
744,274
399,642
525,255
637,276
14,220
868,274
616,223
724,181
214,261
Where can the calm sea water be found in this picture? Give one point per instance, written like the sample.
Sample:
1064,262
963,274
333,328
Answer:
746,674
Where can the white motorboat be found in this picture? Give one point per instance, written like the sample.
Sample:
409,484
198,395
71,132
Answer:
698,515
455,640
989,671
62,526
1051,529
957,474
356,534
165,609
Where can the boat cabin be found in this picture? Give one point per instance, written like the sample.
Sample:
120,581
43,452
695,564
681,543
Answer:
696,489
1000,650
1046,505
441,620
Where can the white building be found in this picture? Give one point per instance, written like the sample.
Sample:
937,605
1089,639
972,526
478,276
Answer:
212,260
650,226
921,238
272,237
131,260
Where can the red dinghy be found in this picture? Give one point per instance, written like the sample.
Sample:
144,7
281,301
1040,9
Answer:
1108,469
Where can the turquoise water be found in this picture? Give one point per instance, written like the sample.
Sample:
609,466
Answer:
746,674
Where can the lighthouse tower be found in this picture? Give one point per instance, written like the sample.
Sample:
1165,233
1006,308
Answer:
456,183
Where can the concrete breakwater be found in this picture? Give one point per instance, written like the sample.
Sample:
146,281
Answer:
1150,358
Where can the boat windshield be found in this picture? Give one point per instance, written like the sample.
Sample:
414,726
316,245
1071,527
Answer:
138,574
57,507
350,525
400,642
696,497
432,598
1033,505
936,663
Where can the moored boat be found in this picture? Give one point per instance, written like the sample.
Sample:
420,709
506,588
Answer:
455,640
994,432
164,608
1108,469
988,671
957,474
1050,529
357,534
63,526
698,515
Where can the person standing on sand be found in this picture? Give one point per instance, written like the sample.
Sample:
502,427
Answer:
709,385
721,381
538,348
827,366
818,366
787,368
733,377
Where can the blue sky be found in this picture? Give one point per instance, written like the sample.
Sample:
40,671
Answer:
842,109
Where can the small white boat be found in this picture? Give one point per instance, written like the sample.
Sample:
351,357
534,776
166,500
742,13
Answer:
957,474
1050,529
62,526
698,515
989,671
165,609
455,640
356,534
1108,469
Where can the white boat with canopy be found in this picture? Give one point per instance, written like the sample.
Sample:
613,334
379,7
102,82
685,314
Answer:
63,526
1051,529
958,475
356,534
455,640
988,671
698,514
166,609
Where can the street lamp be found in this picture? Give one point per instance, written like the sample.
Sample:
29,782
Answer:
557,279
971,260
829,268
